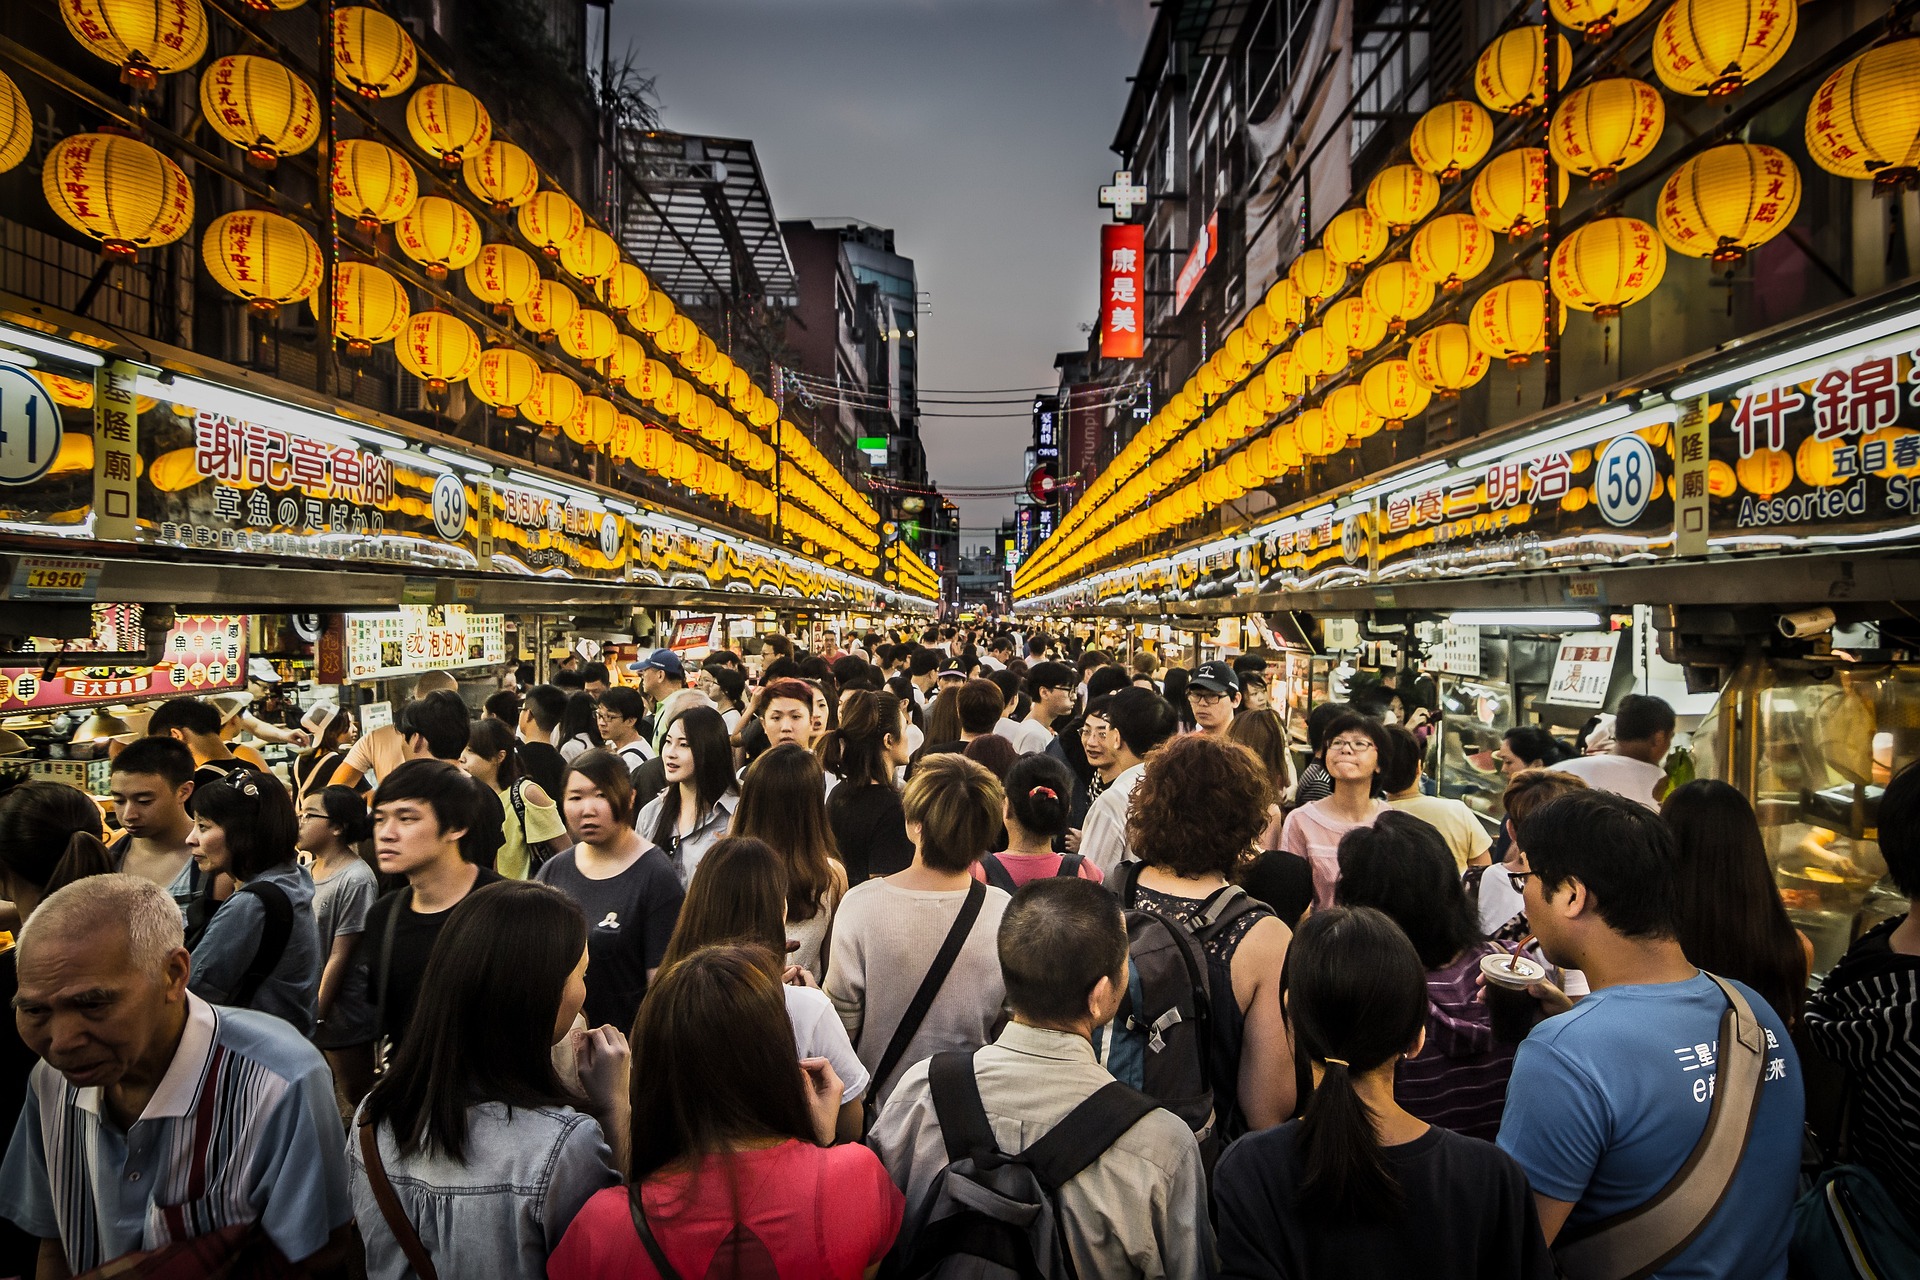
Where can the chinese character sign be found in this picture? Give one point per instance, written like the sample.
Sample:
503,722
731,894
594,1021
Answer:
1582,669
1123,275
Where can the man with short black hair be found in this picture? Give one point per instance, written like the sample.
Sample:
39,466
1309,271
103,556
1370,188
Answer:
434,727
1140,1207
1608,1101
1214,695
1119,736
426,817
380,751
594,678
922,669
979,704
1050,697
541,707
151,782
619,713
999,652
197,724
1643,730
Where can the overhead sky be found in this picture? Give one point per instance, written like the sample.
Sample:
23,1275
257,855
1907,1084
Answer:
976,129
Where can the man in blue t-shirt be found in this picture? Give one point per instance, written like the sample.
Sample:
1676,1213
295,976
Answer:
1608,1099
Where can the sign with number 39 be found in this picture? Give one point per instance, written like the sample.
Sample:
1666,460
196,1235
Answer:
29,427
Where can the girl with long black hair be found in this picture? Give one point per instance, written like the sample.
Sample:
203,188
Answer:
1357,1186
697,807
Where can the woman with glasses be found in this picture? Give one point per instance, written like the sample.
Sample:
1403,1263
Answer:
1355,748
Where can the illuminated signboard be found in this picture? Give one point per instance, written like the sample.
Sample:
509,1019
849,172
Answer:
1199,258
1123,291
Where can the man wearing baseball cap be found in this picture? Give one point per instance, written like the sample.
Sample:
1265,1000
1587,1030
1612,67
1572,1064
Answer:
1214,695
661,676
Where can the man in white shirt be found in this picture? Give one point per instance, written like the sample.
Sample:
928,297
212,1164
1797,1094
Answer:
1050,689
1642,732
1118,734
619,713
999,653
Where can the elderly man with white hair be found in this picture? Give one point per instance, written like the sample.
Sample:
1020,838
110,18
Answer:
155,1118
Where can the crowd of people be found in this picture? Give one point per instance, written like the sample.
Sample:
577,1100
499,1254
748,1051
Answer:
944,952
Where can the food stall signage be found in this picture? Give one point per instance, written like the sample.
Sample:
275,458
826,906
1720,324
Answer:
204,654
1582,669
116,453
46,578
420,638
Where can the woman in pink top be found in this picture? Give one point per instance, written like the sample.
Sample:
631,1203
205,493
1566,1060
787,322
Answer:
1355,746
733,1173
1038,790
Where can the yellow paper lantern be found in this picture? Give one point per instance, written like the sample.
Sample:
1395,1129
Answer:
681,461
1401,195
146,39
700,356
547,310
652,313
503,276
1285,380
70,393
651,381
501,174
261,257
588,334
1764,472
1511,74
1319,437
372,54
624,360
589,256
439,348
16,124
1354,237
653,451
1595,19
1349,413
1716,47
440,235
1319,354
592,424
1451,138
551,221
1286,305
1864,121
1451,250
1727,200
1261,331
627,431
447,121
1393,393
369,306
1357,324
1317,276
1509,321
1606,126
175,471
1510,195
504,378
555,399
260,106
372,183
1445,360
1608,264
1721,482
679,401
679,336
717,372
623,286
1398,293
118,190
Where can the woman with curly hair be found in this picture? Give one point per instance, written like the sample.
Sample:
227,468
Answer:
1193,817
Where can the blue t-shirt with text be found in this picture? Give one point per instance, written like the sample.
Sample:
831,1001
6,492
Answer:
1607,1101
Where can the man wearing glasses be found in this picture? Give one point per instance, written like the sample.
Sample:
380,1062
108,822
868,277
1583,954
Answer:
1118,734
1214,695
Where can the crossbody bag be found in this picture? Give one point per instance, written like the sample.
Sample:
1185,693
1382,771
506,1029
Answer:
1638,1242
396,1218
923,998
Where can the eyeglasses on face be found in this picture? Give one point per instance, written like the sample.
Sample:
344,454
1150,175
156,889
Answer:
1518,879
1204,698
1350,746
1092,729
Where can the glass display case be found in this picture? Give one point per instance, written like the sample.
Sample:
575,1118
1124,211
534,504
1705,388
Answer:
1812,744
1477,710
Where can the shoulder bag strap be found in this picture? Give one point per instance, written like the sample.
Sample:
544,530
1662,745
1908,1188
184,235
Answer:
1222,909
1129,883
956,1104
1070,864
386,965
1086,1133
519,807
274,934
997,874
644,1229
396,1218
1640,1241
929,988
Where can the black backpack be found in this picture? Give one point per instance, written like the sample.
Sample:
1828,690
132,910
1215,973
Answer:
991,1216
1178,1033
1000,878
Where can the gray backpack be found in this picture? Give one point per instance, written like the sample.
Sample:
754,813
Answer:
991,1216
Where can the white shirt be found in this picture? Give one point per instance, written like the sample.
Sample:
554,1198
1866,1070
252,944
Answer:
1103,837
1622,775
1010,730
1029,736
992,663
819,1033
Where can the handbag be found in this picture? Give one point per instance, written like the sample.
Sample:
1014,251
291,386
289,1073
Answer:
655,1253
396,1217
1638,1242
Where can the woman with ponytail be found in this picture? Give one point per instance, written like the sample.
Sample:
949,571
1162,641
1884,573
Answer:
1357,1186
49,837
1039,790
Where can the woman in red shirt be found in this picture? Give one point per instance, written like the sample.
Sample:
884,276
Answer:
731,1151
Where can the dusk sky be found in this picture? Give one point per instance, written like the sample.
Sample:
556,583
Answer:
976,129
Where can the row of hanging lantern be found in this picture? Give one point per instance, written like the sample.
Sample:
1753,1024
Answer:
129,196
910,571
1864,122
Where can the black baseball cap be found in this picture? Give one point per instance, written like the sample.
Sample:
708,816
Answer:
1215,677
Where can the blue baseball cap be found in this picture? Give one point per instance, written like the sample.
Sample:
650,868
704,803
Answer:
664,660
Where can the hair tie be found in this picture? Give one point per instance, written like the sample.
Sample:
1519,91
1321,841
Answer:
1043,790
1337,1062
242,780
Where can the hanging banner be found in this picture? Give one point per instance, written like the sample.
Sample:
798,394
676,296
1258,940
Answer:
1690,478
116,454
420,638
1582,669
1123,291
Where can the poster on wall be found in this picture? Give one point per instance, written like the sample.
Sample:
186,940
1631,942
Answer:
203,654
416,638
1582,669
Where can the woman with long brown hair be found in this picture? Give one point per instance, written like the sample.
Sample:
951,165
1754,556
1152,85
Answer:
783,802
869,827
731,1145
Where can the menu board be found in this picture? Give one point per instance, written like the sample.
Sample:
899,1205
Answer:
418,638
203,654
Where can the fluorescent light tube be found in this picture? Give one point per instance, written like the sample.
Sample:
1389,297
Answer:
1526,618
